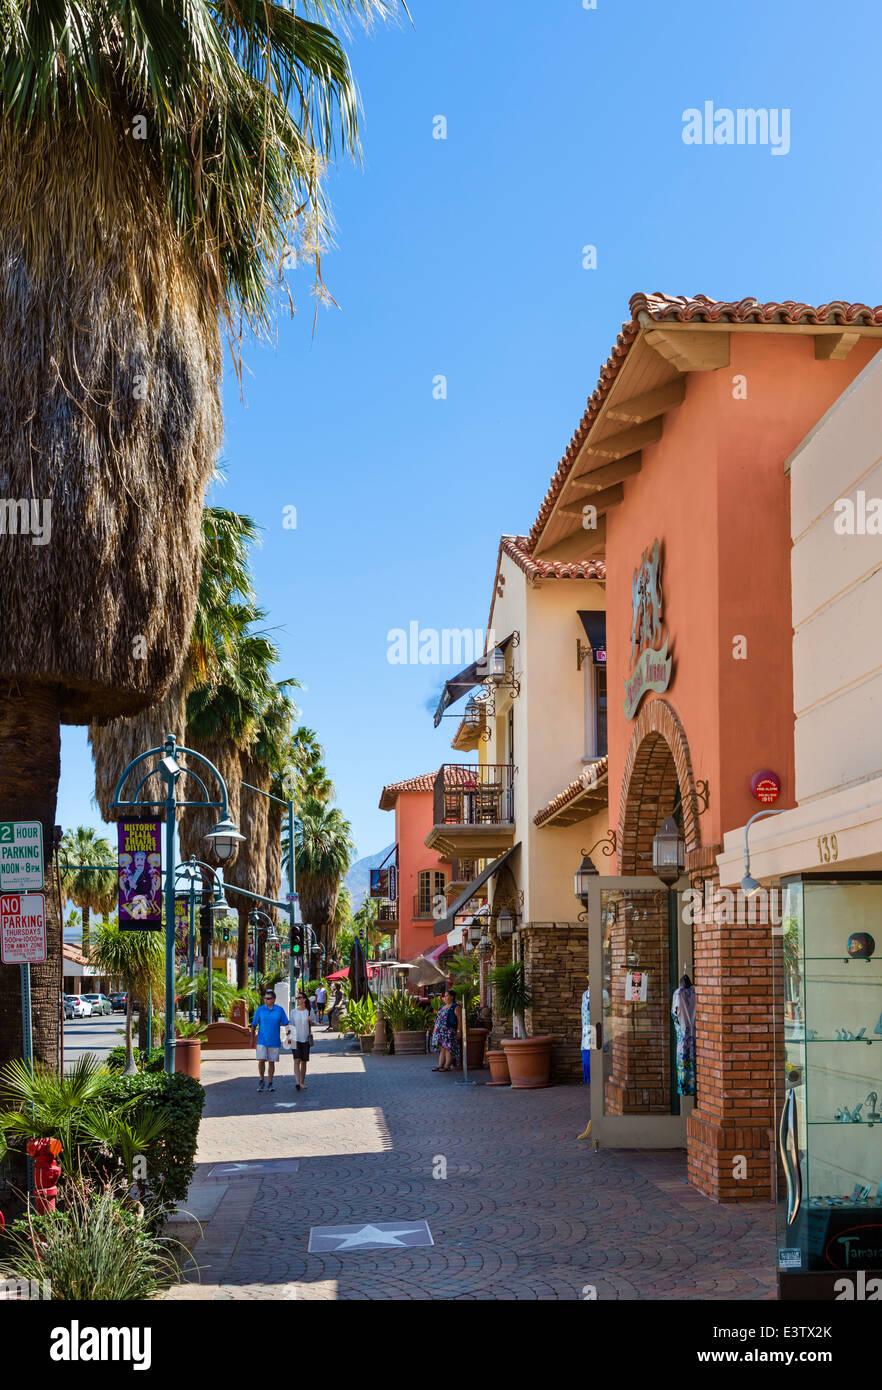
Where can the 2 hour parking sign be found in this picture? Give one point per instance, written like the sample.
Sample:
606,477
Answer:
21,856
22,928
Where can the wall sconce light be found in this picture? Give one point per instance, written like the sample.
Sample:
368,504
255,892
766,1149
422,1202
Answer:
668,851
749,885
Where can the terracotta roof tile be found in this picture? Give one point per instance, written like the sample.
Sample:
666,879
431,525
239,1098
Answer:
665,308
592,775
517,549
422,783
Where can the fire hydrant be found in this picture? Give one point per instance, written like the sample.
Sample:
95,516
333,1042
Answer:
46,1172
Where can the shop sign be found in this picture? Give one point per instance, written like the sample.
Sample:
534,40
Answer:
22,928
766,786
650,663
140,874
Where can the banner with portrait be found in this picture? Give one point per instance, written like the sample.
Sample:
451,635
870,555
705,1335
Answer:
139,860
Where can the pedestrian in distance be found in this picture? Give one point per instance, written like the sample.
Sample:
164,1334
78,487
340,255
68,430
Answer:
300,1029
266,1030
334,1010
321,1001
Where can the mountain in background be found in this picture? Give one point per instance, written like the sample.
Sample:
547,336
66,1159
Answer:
358,880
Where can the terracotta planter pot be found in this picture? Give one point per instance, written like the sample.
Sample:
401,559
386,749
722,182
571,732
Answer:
367,1042
409,1041
529,1061
498,1069
477,1039
188,1056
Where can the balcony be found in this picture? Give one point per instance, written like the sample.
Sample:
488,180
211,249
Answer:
422,907
387,914
462,873
473,814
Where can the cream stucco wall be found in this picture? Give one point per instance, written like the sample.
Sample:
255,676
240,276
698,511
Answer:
549,731
837,650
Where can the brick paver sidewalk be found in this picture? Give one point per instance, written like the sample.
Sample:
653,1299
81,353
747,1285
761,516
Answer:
524,1211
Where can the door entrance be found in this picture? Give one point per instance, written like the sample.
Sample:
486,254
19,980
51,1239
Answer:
639,946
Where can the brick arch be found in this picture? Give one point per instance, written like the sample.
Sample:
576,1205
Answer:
657,763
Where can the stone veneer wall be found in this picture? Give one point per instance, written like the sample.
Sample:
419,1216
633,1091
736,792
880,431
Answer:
556,968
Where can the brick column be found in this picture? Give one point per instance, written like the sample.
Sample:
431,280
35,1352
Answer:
639,1034
732,1126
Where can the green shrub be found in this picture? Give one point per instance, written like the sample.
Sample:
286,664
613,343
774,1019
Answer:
361,1016
94,1247
402,1012
152,1061
169,1160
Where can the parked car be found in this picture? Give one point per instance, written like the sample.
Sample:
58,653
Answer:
67,1004
100,1003
118,1001
81,1006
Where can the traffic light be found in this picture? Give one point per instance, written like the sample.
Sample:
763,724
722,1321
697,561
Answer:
295,971
296,941
226,933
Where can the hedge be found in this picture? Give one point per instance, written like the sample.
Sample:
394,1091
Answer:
116,1059
170,1160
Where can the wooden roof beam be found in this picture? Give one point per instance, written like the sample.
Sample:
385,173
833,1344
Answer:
651,403
582,544
602,501
619,446
834,347
604,476
690,349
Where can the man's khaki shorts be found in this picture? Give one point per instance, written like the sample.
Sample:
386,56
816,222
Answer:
267,1054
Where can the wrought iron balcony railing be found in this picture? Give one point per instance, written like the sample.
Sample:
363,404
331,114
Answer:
474,794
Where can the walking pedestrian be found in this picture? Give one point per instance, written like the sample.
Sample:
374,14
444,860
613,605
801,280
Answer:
448,1028
266,1029
321,1000
334,1010
301,1039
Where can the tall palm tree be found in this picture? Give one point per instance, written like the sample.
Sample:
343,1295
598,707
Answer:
138,958
92,889
225,585
155,162
322,855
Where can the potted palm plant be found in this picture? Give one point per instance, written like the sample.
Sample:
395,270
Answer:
361,1019
408,1020
529,1059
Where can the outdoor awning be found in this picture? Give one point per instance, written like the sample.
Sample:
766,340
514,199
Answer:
447,923
594,623
460,685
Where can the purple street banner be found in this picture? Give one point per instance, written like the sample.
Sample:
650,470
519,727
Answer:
182,924
140,875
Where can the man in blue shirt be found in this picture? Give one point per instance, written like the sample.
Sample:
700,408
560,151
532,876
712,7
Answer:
266,1026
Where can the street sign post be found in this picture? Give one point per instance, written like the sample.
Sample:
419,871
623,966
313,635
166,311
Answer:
21,856
23,943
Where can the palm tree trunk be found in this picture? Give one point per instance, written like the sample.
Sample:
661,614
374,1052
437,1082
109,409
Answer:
86,912
130,1068
242,948
30,765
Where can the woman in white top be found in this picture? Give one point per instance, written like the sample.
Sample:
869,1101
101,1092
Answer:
300,1025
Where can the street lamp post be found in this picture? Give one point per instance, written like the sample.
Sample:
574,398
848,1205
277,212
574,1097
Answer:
223,838
253,922
291,904
189,871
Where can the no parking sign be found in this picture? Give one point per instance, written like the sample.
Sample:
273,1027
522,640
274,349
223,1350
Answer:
22,928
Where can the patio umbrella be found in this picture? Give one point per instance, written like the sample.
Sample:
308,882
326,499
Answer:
425,972
358,979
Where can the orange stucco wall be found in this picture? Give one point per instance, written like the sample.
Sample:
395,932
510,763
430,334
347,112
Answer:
413,821
715,493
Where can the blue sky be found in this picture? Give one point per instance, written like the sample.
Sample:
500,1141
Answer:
463,257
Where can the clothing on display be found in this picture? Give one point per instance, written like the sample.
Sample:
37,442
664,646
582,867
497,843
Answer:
586,1035
683,1014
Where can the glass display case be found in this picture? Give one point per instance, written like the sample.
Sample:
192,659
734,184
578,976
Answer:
828,1019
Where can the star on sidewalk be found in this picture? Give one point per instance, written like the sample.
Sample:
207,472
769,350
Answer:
382,1235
